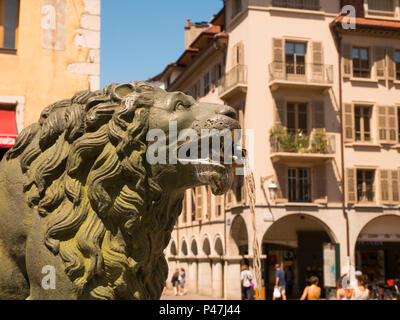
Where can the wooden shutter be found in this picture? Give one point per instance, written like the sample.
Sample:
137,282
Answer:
184,209
391,64
280,113
348,122
395,186
193,204
382,136
240,53
318,186
199,203
347,60
391,124
379,59
384,184
318,114
282,180
278,57
317,61
234,55
213,76
208,213
351,186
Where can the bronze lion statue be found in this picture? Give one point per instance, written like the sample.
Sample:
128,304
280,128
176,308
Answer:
77,193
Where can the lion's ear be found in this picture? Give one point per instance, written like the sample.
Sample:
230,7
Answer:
123,90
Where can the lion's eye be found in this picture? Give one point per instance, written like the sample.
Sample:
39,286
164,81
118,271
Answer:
181,106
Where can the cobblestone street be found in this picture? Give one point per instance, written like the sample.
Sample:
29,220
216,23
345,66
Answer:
169,295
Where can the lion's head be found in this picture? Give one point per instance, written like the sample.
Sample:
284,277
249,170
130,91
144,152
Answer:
109,213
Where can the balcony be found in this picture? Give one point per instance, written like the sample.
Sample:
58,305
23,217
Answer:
292,148
234,82
301,76
297,4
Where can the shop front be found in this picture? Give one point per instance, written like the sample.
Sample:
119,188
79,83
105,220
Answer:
8,128
297,243
378,249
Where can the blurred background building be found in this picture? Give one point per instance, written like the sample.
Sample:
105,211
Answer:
293,69
49,50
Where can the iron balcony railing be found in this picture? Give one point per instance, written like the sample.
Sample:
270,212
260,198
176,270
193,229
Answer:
236,76
316,143
297,4
305,72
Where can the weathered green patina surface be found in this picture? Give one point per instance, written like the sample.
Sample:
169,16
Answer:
77,193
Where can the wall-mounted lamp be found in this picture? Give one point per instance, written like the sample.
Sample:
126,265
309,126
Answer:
273,190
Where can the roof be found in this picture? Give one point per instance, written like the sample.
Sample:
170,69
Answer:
365,24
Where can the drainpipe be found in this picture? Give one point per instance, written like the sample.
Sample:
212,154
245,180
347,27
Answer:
345,214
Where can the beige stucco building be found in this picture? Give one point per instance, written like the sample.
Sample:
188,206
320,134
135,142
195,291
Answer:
293,70
49,50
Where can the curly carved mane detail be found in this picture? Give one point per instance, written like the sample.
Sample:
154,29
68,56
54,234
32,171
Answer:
71,158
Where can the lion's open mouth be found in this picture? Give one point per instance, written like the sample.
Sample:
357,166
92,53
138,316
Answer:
216,168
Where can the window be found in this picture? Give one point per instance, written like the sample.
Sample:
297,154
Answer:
297,118
295,58
297,4
381,7
299,185
365,185
398,124
184,210
236,7
8,23
193,204
361,64
239,183
363,123
218,205
397,61
207,83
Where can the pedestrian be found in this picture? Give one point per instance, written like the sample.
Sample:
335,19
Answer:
175,281
312,292
289,277
360,292
246,277
182,280
343,292
280,282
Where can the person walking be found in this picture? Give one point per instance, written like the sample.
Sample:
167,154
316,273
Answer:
312,292
289,277
343,293
246,277
360,292
175,281
182,281
280,282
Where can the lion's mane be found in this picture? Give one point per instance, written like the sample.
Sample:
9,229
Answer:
86,175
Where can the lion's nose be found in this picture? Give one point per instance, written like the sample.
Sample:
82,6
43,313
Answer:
227,111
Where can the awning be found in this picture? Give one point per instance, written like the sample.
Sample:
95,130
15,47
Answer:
8,128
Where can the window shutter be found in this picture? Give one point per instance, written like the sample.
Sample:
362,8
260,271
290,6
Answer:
214,75
318,60
348,122
240,59
391,124
395,185
184,209
208,213
199,203
351,186
391,64
318,114
347,60
278,57
193,203
379,58
234,55
282,179
384,182
280,113
382,137
319,184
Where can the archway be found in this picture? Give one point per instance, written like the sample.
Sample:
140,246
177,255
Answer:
218,246
206,246
184,248
377,250
238,236
173,249
296,242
